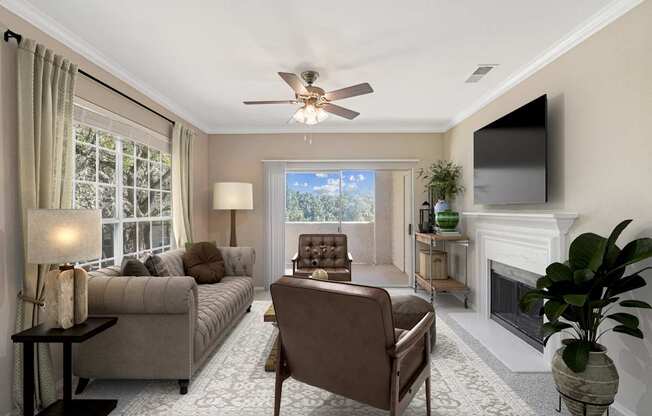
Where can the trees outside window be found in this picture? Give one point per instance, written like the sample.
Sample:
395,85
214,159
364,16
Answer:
131,184
330,196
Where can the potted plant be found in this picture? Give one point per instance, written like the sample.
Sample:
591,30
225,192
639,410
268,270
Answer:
442,181
581,298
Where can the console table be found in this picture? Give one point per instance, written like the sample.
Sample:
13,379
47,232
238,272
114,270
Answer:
423,278
76,334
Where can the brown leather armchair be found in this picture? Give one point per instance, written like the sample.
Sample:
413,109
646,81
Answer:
323,251
341,338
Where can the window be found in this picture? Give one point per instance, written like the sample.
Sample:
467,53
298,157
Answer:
346,195
131,183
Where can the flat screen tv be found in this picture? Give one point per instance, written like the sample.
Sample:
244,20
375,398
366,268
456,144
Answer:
509,157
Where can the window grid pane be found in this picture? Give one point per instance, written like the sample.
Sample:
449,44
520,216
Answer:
130,183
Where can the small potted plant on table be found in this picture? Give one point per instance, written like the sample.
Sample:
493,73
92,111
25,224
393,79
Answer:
442,182
580,297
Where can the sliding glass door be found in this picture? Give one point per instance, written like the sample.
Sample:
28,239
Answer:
330,197
332,201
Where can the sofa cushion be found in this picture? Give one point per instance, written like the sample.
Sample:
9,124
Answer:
217,306
156,265
204,262
173,260
335,274
134,267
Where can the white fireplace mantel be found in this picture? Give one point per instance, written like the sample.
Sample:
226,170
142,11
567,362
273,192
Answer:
561,221
526,240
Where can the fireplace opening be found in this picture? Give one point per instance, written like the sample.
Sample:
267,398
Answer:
508,285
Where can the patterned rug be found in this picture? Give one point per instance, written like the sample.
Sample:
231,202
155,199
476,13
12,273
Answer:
233,383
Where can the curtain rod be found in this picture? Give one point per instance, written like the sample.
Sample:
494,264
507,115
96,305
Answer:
13,35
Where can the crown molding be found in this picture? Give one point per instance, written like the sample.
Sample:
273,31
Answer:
51,27
578,35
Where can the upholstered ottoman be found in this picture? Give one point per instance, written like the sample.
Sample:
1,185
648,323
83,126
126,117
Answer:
408,310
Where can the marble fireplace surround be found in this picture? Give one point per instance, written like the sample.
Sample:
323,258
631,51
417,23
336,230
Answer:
528,241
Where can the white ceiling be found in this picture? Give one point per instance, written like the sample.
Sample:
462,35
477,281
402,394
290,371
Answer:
203,58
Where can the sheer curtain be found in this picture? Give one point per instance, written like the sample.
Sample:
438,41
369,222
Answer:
182,183
46,84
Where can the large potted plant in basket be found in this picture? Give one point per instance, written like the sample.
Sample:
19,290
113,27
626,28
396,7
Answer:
442,179
581,298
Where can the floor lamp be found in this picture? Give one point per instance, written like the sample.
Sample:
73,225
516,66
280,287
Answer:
233,196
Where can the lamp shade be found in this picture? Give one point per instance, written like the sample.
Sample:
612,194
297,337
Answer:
56,236
233,195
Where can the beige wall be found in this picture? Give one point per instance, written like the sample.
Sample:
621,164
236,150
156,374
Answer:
10,252
238,158
600,164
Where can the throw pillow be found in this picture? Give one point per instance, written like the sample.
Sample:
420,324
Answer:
156,266
204,262
189,244
133,267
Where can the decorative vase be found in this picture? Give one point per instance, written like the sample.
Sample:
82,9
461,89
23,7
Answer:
596,386
441,205
447,220
66,298
320,274
60,299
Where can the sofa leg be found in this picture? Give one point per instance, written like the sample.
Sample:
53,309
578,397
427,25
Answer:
81,385
249,309
183,386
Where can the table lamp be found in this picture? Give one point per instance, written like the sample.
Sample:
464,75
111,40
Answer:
63,237
233,196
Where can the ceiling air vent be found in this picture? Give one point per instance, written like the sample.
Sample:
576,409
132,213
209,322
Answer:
480,72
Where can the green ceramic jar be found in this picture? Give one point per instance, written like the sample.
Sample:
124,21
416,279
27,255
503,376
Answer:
447,220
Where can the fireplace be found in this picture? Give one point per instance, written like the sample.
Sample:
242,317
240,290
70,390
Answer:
508,285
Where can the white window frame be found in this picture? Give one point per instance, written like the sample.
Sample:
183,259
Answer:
119,220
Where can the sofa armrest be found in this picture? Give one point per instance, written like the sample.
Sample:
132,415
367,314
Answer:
141,295
238,261
295,257
349,257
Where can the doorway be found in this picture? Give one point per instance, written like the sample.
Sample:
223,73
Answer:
373,207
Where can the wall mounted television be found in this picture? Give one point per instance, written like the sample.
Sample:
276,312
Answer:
510,157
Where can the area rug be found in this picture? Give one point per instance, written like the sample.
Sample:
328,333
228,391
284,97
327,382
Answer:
234,383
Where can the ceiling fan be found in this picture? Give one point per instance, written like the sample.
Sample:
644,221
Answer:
317,103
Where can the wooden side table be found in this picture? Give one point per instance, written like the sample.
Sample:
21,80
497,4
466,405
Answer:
424,278
76,334
270,363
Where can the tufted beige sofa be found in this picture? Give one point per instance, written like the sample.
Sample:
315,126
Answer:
167,326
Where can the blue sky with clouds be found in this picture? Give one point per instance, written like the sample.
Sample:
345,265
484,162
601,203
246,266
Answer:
328,182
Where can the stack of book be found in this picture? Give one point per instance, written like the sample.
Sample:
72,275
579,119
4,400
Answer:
447,233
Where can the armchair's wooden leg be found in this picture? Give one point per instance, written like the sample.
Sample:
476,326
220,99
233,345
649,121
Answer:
249,309
278,390
428,396
282,373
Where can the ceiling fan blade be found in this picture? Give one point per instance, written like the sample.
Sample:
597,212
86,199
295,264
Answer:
270,102
294,82
340,111
347,92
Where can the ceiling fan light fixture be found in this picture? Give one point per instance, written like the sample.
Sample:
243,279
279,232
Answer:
310,115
